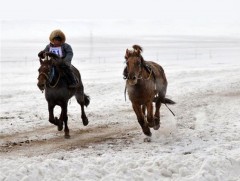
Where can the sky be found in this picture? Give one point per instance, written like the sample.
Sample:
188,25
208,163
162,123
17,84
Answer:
183,17
171,11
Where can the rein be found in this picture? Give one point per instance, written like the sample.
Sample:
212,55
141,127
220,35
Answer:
47,77
42,73
52,86
169,109
141,78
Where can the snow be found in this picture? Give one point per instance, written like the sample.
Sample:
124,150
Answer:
200,143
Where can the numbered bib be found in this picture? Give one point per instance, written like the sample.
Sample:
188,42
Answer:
56,50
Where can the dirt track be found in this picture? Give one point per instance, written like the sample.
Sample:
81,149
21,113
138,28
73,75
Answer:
23,144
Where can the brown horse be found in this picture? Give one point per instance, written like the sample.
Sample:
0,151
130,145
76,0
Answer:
57,91
146,83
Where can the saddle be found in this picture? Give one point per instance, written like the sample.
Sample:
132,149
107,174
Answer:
75,73
69,72
149,70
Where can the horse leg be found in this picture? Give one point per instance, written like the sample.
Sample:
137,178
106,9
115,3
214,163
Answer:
83,116
137,109
51,114
150,114
64,118
80,99
156,119
144,109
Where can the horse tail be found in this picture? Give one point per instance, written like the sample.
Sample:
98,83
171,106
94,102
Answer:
163,100
86,100
167,101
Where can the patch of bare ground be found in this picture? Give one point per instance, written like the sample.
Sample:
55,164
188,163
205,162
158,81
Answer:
27,144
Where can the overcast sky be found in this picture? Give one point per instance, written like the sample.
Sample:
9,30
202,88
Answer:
171,11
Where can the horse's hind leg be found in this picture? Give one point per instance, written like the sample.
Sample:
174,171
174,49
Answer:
83,116
64,118
80,99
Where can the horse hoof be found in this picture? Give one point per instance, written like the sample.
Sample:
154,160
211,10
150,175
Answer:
156,127
147,139
156,123
149,134
67,136
85,122
60,127
150,125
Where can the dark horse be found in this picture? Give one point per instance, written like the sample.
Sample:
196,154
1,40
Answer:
57,91
146,83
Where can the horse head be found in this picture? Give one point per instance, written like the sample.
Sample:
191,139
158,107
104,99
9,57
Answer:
134,61
45,69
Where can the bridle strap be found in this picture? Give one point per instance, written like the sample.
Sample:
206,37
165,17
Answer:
47,77
42,73
52,86
149,76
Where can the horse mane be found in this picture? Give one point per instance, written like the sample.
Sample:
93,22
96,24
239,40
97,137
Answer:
137,47
135,51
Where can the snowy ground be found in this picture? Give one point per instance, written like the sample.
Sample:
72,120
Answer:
201,143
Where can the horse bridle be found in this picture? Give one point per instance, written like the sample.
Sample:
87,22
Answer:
43,73
140,77
47,77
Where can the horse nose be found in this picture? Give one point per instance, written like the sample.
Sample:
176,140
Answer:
132,76
40,86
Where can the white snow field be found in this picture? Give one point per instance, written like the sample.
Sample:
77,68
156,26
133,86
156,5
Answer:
202,142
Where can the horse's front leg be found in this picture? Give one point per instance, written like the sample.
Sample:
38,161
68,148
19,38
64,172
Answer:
51,118
144,109
137,109
64,118
150,114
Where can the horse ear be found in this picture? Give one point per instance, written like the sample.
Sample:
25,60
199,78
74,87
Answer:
127,53
40,60
138,52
